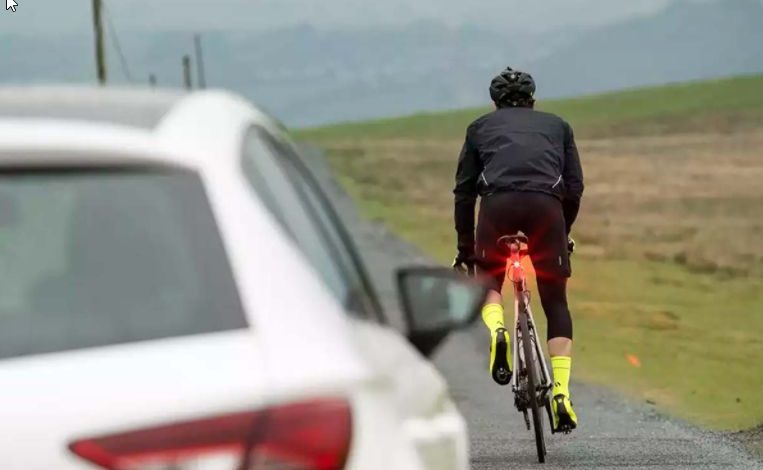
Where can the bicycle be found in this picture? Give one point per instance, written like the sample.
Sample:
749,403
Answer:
531,382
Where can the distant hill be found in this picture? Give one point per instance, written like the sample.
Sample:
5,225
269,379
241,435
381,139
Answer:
685,42
728,104
309,76
302,74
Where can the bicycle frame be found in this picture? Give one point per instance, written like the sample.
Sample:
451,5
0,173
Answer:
522,307
531,381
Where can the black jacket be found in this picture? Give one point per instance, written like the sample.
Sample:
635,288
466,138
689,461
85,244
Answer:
516,149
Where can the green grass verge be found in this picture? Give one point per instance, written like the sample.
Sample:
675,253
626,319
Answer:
722,104
696,338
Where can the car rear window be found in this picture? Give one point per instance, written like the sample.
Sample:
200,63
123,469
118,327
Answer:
99,257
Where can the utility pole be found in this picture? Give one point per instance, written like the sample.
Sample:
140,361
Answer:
201,81
100,53
187,72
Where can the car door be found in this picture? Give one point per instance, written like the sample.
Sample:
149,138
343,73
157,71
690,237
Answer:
294,196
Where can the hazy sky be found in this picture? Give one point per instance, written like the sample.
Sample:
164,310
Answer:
43,17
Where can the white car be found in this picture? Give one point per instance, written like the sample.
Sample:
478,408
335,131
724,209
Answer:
176,292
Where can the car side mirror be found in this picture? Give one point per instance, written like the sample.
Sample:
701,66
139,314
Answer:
435,302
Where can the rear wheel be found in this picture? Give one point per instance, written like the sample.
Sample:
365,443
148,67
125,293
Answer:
531,364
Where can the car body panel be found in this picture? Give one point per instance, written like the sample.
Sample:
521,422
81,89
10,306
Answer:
52,399
139,385
430,419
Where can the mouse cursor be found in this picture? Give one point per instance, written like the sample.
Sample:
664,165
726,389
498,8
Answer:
11,5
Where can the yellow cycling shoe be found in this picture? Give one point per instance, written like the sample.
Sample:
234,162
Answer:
500,356
565,419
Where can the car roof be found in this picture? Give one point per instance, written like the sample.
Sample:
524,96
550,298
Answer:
135,107
123,125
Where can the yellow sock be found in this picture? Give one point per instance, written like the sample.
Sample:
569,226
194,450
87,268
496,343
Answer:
492,315
561,366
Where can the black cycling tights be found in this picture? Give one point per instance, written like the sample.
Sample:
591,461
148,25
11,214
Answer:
541,218
553,298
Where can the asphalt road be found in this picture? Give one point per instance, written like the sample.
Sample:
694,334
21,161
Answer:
613,433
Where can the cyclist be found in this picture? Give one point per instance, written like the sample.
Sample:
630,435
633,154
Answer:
525,167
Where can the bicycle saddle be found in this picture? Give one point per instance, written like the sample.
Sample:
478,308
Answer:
519,238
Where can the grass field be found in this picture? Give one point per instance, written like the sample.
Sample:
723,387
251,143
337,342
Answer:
668,283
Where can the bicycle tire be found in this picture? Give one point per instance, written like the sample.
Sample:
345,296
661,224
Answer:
532,382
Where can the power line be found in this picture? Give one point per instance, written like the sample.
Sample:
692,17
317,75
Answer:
117,45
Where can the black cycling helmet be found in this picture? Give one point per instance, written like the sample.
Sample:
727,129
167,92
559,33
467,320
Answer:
512,88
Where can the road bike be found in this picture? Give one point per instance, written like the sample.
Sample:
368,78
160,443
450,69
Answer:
531,382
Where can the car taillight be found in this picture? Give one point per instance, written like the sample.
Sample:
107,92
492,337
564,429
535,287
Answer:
313,435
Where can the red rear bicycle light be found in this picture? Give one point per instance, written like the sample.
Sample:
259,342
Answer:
313,435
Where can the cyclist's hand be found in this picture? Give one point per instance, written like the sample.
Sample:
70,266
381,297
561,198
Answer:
570,245
464,264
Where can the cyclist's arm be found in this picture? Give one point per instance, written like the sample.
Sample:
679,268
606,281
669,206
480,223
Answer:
573,178
467,175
